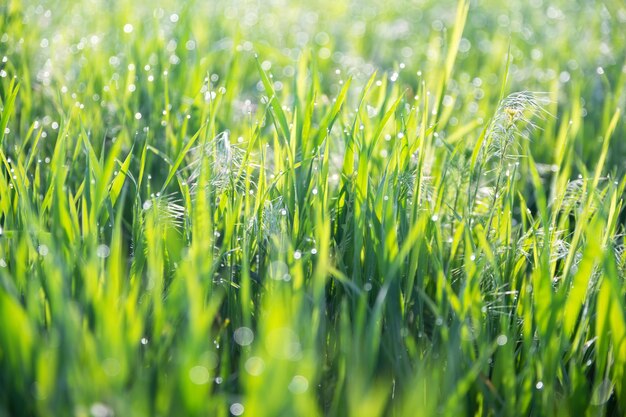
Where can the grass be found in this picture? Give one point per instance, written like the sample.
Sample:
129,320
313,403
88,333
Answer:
344,209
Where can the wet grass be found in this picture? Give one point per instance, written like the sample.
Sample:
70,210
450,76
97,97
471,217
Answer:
343,209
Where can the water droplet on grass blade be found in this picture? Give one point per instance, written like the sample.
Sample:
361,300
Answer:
103,251
42,250
243,336
298,384
101,410
255,366
236,409
199,375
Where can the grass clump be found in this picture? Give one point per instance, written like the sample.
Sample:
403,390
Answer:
243,208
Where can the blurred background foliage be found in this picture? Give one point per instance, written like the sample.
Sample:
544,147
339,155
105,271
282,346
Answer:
139,275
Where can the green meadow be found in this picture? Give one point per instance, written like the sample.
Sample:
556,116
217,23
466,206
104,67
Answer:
312,208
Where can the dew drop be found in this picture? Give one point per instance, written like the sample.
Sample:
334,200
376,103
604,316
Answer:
101,410
103,251
243,336
43,250
298,384
199,375
236,409
255,366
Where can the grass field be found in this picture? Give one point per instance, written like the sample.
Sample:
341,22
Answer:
330,208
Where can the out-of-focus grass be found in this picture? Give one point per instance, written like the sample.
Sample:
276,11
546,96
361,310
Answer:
331,208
